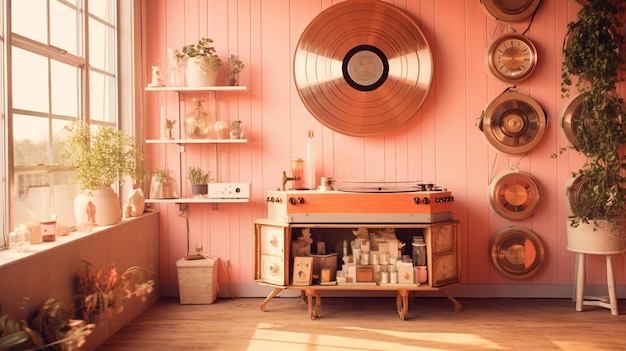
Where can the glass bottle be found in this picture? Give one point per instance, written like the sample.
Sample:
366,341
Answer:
198,124
419,251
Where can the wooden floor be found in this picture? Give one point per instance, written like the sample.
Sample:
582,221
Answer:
373,324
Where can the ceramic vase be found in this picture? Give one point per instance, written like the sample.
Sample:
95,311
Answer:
200,73
97,207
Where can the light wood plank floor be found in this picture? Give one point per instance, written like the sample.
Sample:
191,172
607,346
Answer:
372,324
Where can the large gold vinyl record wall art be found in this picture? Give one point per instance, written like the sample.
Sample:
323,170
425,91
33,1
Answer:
363,67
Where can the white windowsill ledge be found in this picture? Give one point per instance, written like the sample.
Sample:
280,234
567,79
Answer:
12,255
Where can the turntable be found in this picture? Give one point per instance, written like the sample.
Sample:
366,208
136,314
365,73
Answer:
363,202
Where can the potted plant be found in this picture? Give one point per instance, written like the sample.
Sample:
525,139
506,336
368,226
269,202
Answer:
199,181
235,67
592,53
99,155
201,62
163,185
235,130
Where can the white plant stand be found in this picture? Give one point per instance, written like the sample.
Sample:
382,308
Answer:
579,286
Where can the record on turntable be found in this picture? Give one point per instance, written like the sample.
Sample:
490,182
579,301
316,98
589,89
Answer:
363,67
383,186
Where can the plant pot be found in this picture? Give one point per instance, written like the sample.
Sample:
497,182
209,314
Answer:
199,190
600,240
97,207
163,188
137,201
200,73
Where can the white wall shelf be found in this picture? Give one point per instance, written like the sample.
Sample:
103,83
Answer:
181,142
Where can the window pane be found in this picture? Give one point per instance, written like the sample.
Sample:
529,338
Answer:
30,81
65,84
30,140
24,13
101,46
103,9
65,28
102,98
40,188
39,194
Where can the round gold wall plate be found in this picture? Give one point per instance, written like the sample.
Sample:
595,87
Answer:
570,115
363,67
514,195
511,58
513,123
510,10
517,252
574,188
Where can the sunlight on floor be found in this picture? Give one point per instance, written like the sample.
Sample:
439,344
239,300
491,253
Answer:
274,337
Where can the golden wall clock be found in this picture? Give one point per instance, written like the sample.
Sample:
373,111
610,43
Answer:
514,194
516,252
511,58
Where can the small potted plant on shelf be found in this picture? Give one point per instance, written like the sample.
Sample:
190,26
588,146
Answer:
235,130
199,181
593,52
99,155
235,67
163,185
201,62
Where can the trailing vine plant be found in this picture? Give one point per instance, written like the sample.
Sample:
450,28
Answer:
594,64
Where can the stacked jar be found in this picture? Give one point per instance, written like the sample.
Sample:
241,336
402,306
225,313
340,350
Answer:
419,259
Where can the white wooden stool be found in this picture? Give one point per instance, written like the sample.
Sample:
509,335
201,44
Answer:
579,286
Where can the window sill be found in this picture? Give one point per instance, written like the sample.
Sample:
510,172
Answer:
12,255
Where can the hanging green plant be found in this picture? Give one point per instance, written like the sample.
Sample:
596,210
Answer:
591,58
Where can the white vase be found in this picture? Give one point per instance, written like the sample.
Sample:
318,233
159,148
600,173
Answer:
601,240
137,202
200,73
97,207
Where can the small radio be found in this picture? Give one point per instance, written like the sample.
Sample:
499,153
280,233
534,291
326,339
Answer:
229,190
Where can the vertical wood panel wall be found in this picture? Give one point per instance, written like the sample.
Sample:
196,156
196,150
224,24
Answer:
440,144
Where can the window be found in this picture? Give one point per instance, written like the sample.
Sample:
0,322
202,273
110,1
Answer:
62,66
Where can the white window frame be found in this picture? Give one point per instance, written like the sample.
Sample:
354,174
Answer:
128,100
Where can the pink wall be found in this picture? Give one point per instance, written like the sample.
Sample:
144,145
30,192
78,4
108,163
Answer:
440,144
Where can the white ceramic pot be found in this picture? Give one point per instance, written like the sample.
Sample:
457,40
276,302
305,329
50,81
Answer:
137,202
98,207
601,240
200,73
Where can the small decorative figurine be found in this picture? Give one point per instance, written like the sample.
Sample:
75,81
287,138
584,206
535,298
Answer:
169,124
157,78
302,246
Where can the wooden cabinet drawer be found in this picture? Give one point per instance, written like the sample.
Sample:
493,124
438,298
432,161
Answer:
272,270
445,269
444,238
272,240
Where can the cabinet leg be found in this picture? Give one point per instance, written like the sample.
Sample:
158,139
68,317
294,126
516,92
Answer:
274,292
457,304
402,303
314,301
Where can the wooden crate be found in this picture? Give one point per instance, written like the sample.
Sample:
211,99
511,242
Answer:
197,280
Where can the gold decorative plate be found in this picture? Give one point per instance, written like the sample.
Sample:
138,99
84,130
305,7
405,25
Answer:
514,194
513,123
516,252
510,10
363,67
